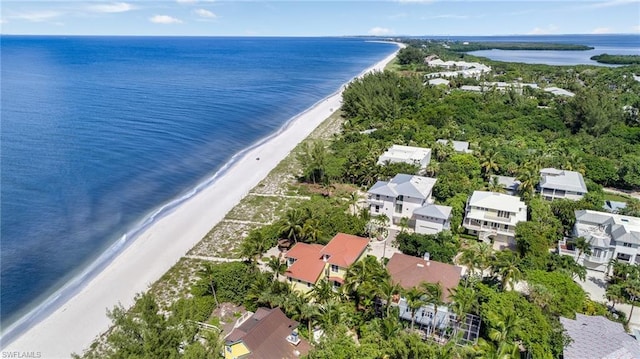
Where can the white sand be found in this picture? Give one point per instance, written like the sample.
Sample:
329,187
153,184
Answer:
73,326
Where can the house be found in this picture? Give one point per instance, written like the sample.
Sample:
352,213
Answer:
409,271
493,215
438,82
471,88
596,337
309,263
614,206
458,146
609,235
408,154
431,219
400,197
510,184
561,184
559,92
265,334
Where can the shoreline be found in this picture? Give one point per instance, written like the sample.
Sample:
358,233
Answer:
80,319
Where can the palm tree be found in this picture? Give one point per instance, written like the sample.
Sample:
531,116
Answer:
495,186
404,224
632,287
387,289
434,296
353,202
414,300
308,313
207,272
311,230
292,225
583,246
489,162
464,299
322,292
615,294
253,246
506,326
529,177
506,267
469,259
277,266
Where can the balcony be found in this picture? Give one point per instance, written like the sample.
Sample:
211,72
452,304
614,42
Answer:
566,248
372,200
478,226
595,259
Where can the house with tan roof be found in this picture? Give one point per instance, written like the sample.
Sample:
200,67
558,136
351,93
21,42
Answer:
410,272
265,334
309,263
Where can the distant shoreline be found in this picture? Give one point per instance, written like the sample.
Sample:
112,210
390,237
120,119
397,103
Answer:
617,59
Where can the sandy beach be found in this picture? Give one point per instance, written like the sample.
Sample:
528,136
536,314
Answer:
73,326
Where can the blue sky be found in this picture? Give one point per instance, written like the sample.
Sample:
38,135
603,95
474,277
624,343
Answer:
319,18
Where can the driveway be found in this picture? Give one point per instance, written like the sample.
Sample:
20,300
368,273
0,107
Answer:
595,286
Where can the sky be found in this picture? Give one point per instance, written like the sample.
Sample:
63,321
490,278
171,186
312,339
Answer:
319,18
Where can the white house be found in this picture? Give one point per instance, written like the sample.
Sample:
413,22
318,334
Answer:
438,82
610,236
493,215
431,219
561,184
559,92
458,146
400,197
407,154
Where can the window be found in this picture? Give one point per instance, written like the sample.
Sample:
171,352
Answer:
377,209
308,285
378,197
399,208
503,214
596,252
334,268
506,226
400,198
624,257
626,244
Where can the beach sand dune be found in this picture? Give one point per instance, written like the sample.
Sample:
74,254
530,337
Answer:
73,326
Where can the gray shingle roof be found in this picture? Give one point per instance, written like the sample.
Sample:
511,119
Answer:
405,185
598,338
434,210
562,180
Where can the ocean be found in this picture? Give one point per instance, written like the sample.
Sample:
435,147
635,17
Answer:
101,136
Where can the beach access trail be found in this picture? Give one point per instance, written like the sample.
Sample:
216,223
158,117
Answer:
75,324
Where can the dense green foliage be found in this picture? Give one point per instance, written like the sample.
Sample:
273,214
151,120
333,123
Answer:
442,247
474,46
617,59
556,292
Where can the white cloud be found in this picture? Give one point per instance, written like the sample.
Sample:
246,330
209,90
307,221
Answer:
112,8
543,30
601,30
611,3
205,13
38,16
164,19
379,31
635,28
186,1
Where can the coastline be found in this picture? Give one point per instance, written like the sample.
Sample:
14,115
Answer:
79,320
